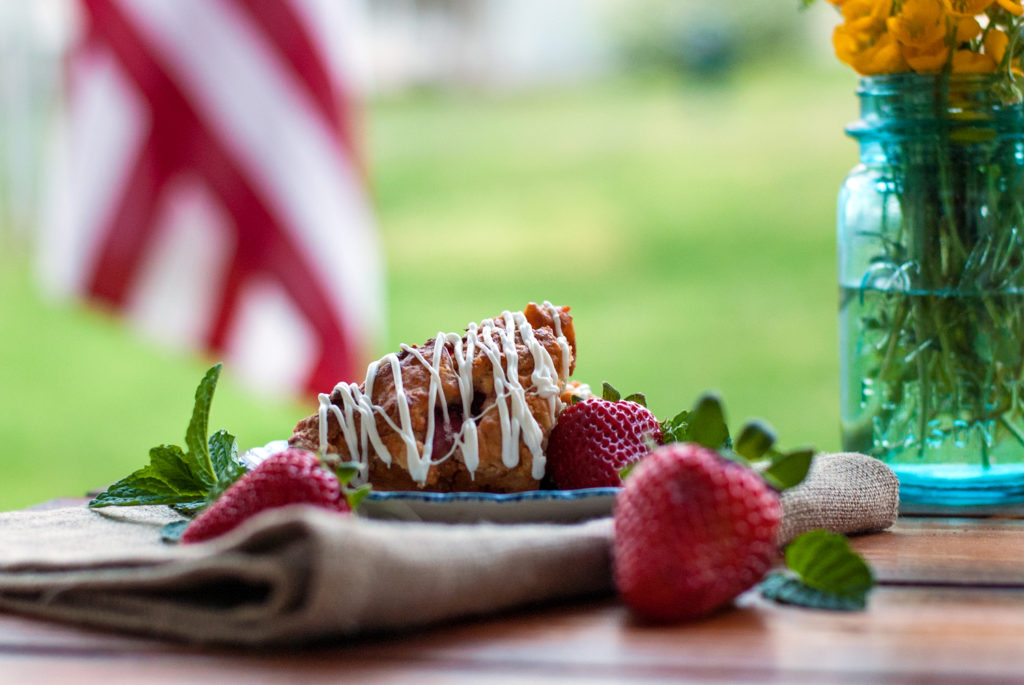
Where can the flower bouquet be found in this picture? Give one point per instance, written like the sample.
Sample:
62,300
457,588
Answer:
931,246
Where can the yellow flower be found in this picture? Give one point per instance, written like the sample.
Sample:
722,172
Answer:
881,55
966,8
967,29
1012,6
969,62
995,44
926,58
884,57
877,10
918,23
862,41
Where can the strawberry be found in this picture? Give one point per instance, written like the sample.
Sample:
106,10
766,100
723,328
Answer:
595,439
692,531
289,477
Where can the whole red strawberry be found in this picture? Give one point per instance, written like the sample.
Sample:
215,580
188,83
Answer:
595,439
289,477
692,531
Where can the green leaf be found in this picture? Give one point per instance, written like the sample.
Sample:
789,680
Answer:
754,440
143,480
610,393
789,469
707,423
355,497
181,472
185,480
732,455
139,487
195,435
130,493
627,470
637,397
825,561
788,589
172,532
346,471
224,457
189,509
676,429
831,574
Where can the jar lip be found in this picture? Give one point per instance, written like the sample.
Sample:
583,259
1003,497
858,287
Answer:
885,84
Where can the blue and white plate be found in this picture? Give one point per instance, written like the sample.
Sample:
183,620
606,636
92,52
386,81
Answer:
532,506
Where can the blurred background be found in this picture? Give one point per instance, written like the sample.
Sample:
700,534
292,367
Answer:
667,168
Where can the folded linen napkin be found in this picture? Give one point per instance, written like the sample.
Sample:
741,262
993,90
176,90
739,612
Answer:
297,574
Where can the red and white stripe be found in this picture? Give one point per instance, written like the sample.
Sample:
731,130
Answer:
214,190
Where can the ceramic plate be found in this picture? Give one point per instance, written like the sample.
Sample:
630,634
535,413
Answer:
533,506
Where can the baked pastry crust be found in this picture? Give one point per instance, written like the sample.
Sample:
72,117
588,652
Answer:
458,413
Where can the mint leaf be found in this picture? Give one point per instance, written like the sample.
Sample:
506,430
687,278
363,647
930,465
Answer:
178,470
224,457
195,435
139,489
824,573
754,441
825,561
787,589
172,532
184,480
675,429
789,469
707,424
189,509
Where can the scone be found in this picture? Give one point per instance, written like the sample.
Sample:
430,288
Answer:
466,412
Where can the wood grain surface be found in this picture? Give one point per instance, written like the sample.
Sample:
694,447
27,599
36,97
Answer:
948,551
950,609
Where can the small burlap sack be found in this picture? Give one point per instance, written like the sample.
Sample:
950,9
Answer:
298,574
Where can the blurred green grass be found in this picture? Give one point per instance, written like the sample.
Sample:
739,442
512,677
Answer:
690,226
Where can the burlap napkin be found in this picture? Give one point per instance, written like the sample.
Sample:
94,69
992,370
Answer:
298,574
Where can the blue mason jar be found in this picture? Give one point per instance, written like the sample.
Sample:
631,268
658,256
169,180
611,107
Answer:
931,275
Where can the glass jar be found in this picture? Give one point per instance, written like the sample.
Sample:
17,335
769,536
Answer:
931,275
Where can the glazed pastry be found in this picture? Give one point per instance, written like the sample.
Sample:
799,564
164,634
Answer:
459,413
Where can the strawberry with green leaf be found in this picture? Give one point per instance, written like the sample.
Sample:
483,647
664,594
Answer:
596,438
290,477
695,524
208,477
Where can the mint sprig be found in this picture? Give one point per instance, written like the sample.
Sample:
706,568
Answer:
185,480
705,425
823,572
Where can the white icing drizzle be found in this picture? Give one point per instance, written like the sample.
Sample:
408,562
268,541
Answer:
562,342
495,339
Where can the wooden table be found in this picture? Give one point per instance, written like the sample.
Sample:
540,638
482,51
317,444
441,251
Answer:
950,608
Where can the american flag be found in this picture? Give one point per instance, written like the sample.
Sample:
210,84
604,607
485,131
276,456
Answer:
212,191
